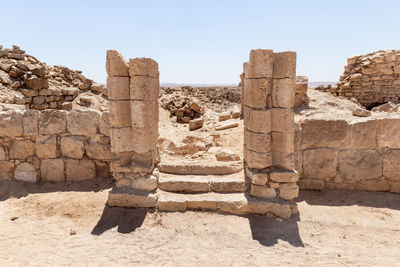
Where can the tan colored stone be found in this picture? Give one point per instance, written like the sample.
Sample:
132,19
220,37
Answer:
99,149
223,125
257,93
104,124
288,191
116,64
143,67
148,182
30,122
282,120
144,114
26,172
201,167
257,177
283,160
282,142
325,133
144,139
11,123
3,153
144,162
391,164
257,142
320,163
283,92
316,184
360,164
262,191
144,88
258,121
6,170
118,88
373,185
132,198
52,170
83,122
229,183
257,160
121,162
46,146
120,113
196,124
22,149
394,187
388,134
175,183
364,134
72,146
78,170
260,64
284,176
225,154
284,65
52,122
235,112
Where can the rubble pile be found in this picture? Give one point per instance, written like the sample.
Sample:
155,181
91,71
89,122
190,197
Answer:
182,108
38,85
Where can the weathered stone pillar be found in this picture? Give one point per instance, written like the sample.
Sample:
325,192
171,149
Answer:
269,91
133,95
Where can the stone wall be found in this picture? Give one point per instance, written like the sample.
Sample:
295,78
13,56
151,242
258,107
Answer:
361,155
372,78
301,97
268,97
54,145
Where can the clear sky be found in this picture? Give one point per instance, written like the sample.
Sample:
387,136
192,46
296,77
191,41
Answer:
204,41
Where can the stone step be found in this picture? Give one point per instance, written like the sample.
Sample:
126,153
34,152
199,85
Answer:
131,198
200,167
203,183
235,203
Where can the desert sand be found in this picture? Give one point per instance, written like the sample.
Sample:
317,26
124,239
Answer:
65,224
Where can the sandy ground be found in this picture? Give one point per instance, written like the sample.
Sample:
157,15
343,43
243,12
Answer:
333,228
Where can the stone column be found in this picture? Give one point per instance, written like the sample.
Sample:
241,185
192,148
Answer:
133,92
269,124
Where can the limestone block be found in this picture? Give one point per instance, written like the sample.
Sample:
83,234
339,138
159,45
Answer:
46,146
144,88
325,133
144,139
144,114
104,124
320,163
143,67
78,170
118,88
282,120
284,176
72,146
121,162
22,149
235,112
133,198
260,64
52,170
83,122
196,124
283,142
257,93
262,191
258,121
394,187
283,160
288,191
225,154
388,134
52,122
360,164
257,160
283,93
137,181
223,125
373,185
391,164
257,177
257,142
284,65
3,153
99,149
364,134
30,122
6,170
116,64
11,123
26,172
316,184
120,113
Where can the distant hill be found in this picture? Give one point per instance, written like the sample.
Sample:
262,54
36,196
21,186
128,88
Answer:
172,85
315,84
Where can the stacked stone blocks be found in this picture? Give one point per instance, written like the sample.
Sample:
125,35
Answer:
133,90
269,92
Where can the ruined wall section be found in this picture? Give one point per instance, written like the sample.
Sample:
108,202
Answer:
372,78
336,154
54,145
269,91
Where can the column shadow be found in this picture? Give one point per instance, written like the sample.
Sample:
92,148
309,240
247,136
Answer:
126,219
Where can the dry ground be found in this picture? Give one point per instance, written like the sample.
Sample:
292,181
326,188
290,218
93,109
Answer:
333,228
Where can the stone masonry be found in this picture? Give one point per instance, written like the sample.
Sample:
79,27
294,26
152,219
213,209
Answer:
372,79
133,90
269,92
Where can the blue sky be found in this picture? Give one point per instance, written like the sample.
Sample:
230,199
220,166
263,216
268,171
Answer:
200,41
